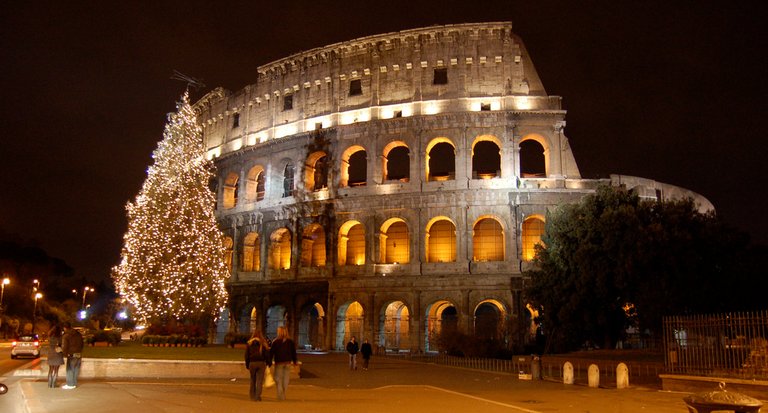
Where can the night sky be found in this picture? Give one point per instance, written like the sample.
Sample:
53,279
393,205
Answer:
669,90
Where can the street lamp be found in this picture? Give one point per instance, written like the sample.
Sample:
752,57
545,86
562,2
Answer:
86,290
6,281
34,310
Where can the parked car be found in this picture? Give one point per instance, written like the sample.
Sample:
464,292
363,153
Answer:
25,345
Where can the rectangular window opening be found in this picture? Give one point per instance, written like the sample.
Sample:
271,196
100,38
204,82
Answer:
235,120
287,102
441,76
355,87
485,107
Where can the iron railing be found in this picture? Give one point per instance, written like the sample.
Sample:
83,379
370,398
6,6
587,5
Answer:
722,345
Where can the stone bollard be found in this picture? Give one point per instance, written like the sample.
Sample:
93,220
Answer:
567,373
593,375
622,376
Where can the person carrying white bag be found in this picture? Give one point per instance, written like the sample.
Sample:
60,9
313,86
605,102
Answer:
258,361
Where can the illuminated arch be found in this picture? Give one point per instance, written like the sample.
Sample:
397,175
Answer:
396,162
394,326
229,245
254,184
440,160
288,184
251,252
489,317
442,317
316,171
248,319
354,166
313,246
486,157
350,320
280,249
488,240
277,316
534,159
230,190
441,240
351,243
394,242
532,231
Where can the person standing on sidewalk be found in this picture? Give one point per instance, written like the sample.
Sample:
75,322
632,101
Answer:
55,355
257,360
283,355
366,350
352,349
72,345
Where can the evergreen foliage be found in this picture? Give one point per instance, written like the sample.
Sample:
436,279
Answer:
172,266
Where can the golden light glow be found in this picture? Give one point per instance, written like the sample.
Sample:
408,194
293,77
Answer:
351,243
441,240
533,229
488,240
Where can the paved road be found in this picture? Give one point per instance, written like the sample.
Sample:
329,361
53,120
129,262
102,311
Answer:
327,386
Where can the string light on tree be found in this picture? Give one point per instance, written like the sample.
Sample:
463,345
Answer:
172,264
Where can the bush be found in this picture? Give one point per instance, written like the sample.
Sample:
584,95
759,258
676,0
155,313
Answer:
236,338
461,345
104,336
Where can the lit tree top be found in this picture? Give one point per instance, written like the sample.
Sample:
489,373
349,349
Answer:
172,263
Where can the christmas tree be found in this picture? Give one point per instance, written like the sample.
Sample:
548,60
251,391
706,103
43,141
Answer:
172,267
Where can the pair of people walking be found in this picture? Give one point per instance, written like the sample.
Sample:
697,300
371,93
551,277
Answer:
353,348
69,344
259,355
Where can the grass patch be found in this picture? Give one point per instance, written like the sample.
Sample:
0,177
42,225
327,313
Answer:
134,350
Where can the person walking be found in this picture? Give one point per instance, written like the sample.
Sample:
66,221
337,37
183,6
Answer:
55,355
257,360
72,346
352,349
366,350
283,355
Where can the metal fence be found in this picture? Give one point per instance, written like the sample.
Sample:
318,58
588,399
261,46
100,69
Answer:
723,345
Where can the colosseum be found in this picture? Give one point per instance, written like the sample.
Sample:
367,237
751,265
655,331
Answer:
392,187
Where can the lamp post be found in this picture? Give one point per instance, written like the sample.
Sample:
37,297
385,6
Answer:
6,281
34,310
86,290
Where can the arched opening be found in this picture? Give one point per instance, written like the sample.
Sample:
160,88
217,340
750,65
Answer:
532,160
354,167
280,249
251,252
394,242
397,162
276,317
441,240
248,320
349,322
486,158
441,160
313,246
311,326
487,240
230,190
351,243
532,231
254,184
229,245
394,327
316,171
288,180
489,320
442,319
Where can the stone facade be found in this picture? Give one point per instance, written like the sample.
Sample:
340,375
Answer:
442,139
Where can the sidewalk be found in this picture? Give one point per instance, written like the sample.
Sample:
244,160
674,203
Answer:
327,386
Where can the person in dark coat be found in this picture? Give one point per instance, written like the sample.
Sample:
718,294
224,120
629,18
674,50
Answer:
353,348
283,355
257,360
72,345
55,355
366,350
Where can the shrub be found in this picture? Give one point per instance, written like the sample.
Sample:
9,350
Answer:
104,336
236,338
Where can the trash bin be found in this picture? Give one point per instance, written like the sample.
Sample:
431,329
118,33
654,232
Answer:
722,399
535,367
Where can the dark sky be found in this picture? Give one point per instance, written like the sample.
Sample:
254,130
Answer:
672,90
